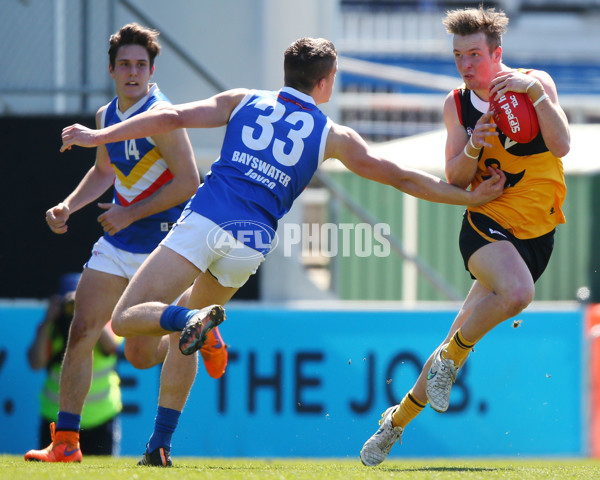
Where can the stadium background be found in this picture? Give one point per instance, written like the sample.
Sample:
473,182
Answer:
319,343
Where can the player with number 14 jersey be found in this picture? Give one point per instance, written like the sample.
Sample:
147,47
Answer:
140,171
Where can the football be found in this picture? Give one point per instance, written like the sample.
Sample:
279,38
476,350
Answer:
515,116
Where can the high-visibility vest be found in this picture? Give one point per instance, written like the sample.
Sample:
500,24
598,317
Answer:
103,401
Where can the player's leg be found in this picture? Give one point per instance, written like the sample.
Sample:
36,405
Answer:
224,269
231,263
475,295
176,380
146,351
395,419
206,291
96,295
499,267
178,374
159,281
156,284
214,351
95,298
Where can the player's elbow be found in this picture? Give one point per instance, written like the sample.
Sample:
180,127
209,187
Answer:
190,186
171,117
457,180
187,184
561,149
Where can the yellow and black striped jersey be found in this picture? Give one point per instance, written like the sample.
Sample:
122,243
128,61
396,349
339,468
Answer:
535,189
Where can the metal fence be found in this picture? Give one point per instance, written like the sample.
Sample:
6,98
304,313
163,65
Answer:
50,60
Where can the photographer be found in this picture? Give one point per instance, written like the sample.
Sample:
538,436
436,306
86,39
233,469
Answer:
99,423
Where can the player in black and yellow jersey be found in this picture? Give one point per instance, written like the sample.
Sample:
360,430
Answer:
506,244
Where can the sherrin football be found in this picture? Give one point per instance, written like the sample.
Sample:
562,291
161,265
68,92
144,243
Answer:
515,116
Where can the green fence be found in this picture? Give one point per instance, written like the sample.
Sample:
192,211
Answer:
375,278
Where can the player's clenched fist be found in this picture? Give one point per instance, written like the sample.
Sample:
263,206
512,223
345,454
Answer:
57,217
77,135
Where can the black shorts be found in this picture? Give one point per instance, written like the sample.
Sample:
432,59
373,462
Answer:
478,230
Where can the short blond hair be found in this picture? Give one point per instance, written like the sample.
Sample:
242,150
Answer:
469,21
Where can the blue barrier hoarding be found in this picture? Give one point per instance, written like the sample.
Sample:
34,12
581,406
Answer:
313,381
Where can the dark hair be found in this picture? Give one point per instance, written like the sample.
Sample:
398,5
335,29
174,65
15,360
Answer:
307,61
469,21
134,34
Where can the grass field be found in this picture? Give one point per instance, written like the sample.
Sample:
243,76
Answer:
13,467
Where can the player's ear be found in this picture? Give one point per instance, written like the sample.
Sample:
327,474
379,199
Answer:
497,55
322,82
152,70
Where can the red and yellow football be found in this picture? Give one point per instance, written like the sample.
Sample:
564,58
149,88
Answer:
515,116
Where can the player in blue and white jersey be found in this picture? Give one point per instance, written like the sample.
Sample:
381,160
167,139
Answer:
153,177
273,145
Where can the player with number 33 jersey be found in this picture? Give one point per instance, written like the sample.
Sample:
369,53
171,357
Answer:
280,161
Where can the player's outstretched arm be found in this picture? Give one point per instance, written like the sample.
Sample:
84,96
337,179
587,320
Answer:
346,145
211,112
177,152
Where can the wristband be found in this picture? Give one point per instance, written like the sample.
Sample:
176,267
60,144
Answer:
472,144
541,99
531,84
467,154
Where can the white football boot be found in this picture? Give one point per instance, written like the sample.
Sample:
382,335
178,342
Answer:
377,448
440,378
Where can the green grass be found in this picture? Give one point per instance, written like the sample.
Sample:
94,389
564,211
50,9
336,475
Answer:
99,468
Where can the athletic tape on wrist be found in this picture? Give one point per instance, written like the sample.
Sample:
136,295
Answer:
472,144
530,85
467,153
541,99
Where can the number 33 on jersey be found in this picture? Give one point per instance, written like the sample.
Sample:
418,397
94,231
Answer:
275,139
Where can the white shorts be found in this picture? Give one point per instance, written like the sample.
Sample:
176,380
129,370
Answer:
212,249
110,259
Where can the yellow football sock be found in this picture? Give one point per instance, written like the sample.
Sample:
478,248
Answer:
459,348
408,409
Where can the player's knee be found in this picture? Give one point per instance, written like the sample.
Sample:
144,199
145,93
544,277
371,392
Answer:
84,331
118,324
518,298
139,357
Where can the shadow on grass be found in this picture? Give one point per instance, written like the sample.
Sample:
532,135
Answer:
446,469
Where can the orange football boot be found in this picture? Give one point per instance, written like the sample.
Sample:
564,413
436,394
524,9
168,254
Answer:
64,448
214,354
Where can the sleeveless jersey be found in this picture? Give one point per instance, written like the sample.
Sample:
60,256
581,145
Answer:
140,171
274,142
535,189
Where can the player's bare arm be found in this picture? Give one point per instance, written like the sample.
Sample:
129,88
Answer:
461,168
209,113
542,90
97,180
177,152
346,145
